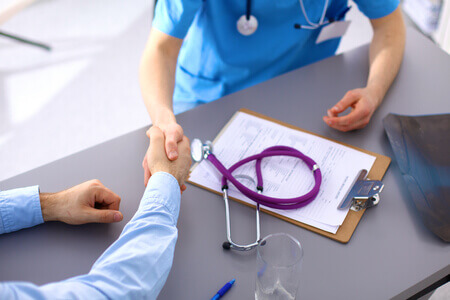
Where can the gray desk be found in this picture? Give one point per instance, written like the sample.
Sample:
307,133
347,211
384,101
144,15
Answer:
390,253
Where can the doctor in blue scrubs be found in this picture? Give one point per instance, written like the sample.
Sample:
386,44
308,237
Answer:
201,50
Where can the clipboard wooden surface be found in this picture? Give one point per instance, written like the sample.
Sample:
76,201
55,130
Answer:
352,219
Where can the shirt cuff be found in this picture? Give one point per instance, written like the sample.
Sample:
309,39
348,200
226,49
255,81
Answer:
20,208
162,188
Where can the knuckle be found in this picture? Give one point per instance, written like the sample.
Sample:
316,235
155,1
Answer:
180,130
365,111
151,130
95,183
176,135
171,142
155,130
104,217
156,136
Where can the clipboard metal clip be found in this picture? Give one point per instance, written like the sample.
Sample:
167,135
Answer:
364,193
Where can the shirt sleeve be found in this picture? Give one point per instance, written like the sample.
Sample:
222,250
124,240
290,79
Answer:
135,266
174,17
20,208
377,9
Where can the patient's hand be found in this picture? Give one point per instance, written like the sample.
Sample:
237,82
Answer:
158,162
89,202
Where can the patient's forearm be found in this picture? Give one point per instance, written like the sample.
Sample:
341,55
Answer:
135,266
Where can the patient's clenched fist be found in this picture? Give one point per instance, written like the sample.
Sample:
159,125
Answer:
89,202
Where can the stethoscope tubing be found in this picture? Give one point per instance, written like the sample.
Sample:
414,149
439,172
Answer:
322,17
278,203
229,244
311,26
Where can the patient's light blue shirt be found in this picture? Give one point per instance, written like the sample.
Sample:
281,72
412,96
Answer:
135,266
20,208
216,60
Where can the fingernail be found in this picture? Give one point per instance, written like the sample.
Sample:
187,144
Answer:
117,217
173,154
329,122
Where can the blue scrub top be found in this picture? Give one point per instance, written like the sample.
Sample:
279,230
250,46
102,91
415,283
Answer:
216,60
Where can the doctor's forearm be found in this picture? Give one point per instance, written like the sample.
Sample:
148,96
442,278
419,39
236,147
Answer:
386,53
157,76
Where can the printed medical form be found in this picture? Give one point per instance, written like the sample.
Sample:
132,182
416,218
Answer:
286,177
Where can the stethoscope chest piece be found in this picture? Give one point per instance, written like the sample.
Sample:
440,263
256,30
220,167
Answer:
247,26
200,150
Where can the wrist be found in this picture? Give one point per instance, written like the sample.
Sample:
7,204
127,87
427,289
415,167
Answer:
165,115
169,171
49,206
377,92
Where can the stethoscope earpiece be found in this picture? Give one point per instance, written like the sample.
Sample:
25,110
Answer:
226,245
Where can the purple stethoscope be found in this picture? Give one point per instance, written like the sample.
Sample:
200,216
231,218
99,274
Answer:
200,151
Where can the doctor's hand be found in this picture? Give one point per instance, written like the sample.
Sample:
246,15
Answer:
89,202
157,159
363,103
173,134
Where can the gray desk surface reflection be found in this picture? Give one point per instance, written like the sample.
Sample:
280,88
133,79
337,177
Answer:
390,251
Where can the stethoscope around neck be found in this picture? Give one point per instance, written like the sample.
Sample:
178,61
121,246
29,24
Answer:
202,151
247,24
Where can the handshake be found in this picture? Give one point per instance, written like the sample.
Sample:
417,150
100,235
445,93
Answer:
156,159
92,202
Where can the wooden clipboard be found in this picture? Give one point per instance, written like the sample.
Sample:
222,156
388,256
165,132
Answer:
352,219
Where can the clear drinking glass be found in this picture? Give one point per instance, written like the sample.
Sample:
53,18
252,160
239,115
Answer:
278,265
